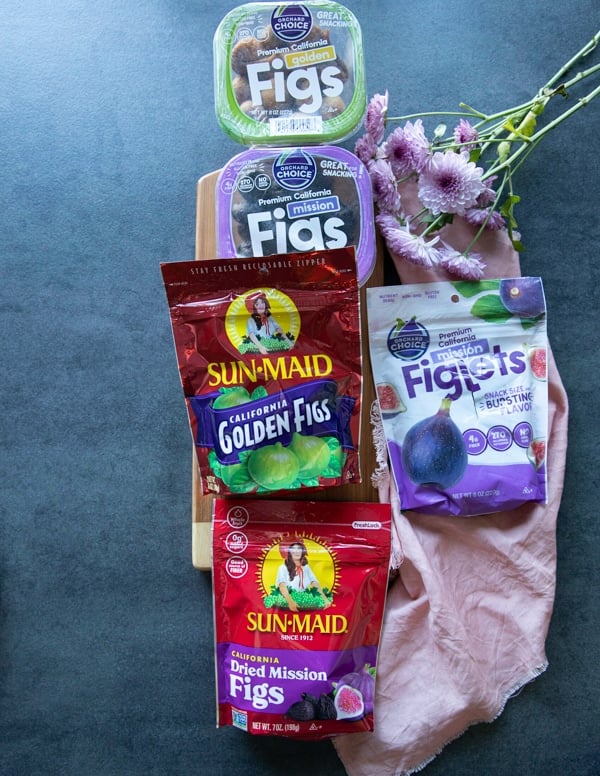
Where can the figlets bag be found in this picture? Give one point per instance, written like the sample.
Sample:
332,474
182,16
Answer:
461,380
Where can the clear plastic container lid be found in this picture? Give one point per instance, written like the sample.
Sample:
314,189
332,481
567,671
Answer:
289,200
289,74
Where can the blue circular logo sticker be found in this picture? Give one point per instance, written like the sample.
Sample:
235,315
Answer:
291,23
294,170
408,340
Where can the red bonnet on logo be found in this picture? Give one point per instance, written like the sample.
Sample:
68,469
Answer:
251,300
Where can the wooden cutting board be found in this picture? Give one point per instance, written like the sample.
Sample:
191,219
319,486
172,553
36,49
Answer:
202,504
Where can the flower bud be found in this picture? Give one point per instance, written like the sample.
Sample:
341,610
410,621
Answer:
503,150
527,126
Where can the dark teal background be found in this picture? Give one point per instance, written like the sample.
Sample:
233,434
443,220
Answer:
106,124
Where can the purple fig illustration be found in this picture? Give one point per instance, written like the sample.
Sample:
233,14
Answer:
434,451
523,296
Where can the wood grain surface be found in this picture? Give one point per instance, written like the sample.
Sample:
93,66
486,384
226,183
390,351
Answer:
202,504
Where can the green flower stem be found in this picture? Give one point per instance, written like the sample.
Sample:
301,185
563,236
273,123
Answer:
583,52
512,134
418,215
537,136
435,225
493,207
491,126
579,76
536,106
428,113
500,116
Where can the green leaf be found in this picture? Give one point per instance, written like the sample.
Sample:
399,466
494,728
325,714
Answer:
508,204
490,308
259,392
507,209
232,389
445,218
242,482
474,154
337,459
469,288
332,443
310,482
214,463
529,323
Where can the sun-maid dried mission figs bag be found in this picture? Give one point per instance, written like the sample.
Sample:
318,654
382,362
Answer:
299,592
269,357
460,374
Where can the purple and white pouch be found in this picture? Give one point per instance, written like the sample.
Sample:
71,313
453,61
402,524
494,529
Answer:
461,380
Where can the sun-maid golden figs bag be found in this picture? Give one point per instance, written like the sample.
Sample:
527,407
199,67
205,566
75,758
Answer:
270,363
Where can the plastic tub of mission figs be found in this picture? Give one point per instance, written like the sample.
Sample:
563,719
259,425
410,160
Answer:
289,74
294,200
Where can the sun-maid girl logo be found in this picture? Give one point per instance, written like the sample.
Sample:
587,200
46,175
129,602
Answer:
408,340
294,170
263,320
297,579
291,23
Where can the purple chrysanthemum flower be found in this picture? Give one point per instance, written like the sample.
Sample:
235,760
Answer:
407,149
412,247
375,118
383,183
479,216
465,265
366,148
488,194
466,135
450,183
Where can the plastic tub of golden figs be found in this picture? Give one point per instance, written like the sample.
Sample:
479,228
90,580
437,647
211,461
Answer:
289,74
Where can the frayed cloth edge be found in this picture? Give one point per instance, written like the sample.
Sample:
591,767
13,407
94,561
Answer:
512,693
380,477
381,473
382,481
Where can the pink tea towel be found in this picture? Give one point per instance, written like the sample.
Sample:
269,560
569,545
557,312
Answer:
468,612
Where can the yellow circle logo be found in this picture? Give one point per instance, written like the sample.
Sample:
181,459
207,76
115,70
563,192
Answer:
305,567
263,320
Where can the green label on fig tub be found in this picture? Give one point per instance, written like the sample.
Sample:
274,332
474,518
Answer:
287,74
461,381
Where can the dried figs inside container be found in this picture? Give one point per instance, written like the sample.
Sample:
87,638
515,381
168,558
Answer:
287,200
288,74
